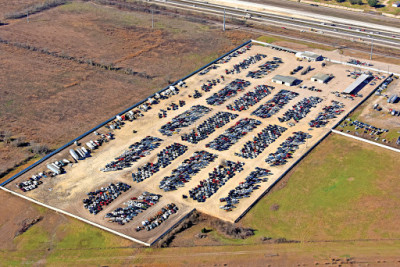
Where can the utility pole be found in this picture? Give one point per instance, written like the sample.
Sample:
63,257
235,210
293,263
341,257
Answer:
27,16
372,47
152,19
224,19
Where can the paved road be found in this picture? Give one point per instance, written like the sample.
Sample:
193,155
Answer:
339,13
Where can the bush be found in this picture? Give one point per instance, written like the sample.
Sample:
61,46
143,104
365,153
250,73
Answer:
35,9
356,2
40,149
372,3
340,1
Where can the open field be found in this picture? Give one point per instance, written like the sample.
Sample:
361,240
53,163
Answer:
372,196
86,176
60,90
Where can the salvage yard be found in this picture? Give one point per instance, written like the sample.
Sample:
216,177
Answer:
308,99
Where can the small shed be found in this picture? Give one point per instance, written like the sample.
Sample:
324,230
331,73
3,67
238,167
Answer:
309,56
321,78
286,80
396,4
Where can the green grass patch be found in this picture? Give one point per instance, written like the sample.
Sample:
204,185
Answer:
322,199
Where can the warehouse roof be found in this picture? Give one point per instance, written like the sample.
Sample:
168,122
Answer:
308,54
356,83
285,79
321,77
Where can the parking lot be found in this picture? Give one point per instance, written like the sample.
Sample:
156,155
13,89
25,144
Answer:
199,126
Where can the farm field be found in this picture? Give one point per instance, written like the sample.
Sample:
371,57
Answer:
66,188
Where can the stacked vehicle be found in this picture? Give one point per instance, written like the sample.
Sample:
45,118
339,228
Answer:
267,136
245,189
103,197
207,127
164,158
251,98
275,104
233,134
287,148
216,180
136,151
188,168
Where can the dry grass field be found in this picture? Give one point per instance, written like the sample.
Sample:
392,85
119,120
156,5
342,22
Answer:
59,90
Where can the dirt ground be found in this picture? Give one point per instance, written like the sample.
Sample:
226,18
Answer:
67,188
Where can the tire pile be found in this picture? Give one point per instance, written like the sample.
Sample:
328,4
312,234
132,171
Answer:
188,168
227,92
275,104
159,218
206,128
164,158
184,120
287,148
260,142
245,189
216,180
251,98
103,197
329,112
136,151
301,109
133,208
233,134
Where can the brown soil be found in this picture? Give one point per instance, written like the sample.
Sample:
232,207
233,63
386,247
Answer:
17,5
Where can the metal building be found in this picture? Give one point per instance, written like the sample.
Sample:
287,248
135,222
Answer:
286,80
309,56
321,78
358,84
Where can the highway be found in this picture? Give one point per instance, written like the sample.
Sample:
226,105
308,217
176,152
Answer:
303,21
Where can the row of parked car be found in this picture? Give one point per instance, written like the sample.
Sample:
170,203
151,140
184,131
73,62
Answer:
164,158
104,196
207,127
136,151
188,168
217,178
233,134
268,135
251,98
183,120
132,208
245,189
287,148
275,104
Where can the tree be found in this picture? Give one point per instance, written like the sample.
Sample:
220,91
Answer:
355,2
372,3
340,1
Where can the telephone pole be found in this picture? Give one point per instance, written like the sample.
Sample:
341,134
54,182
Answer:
152,19
224,19
372,47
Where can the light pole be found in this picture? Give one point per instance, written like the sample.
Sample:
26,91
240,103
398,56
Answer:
372,47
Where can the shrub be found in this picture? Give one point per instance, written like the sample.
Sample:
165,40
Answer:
372,3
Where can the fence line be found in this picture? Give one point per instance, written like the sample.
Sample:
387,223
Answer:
366,141
112,118
282,175
74,216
